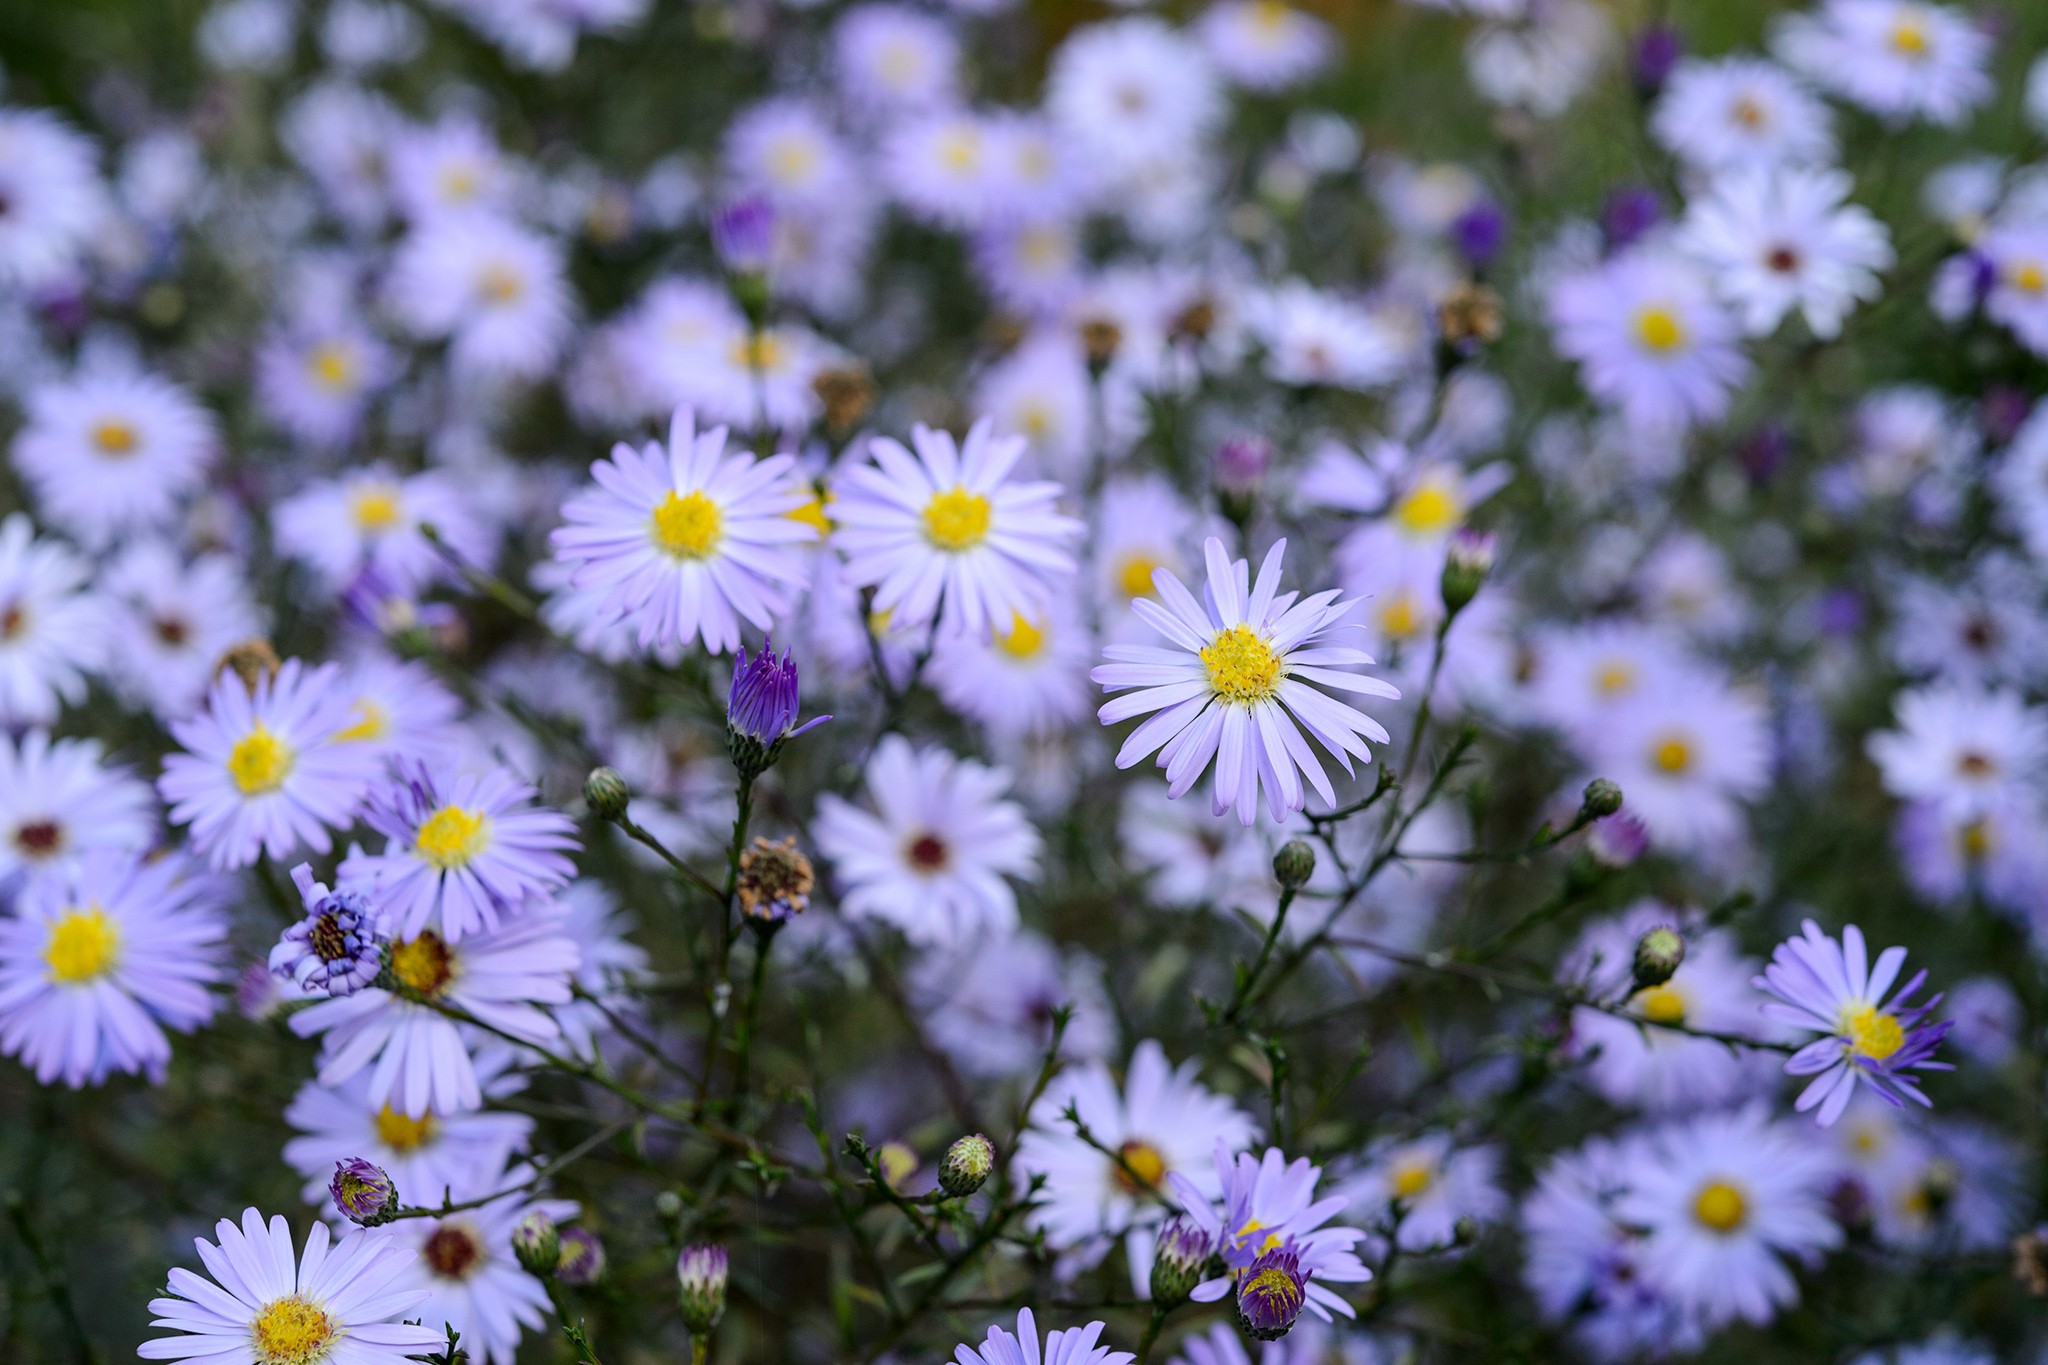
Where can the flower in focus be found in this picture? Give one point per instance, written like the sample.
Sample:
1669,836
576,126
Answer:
1235,687
932,857
339,1301
363,1193
761,710
1833,989
1271,1292
1073,1346
685,541
1266,1203
334,950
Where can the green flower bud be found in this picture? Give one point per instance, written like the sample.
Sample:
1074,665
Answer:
1658,954
606,793
1295,863
968,1163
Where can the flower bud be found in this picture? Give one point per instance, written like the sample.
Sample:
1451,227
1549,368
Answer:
1181,1260
606,793
1602,798
1659,952
1295,863
364,1194
582,1261
251,660
775,882
1467,562
967,1165
1270,1294
761,710
700,1276
538,1245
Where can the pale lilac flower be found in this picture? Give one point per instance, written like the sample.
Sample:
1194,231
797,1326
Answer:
1074,1346
1269,1202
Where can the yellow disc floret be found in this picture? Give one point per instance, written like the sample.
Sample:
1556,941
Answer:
1025,640
1429,509
1659,329
332,366
451,836
1242,667
115,437
260,761
1672,754
1140,1167
423,963
1134,574
375,723
375,507
401,1132
1661,1005
83,943
687,525
956,519
1872,1032
291,1331
1720,1206
1411,1178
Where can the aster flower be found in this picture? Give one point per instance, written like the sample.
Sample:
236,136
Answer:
472,1277
1779,240
1235,687
460,861
112,452
335,950
945,535
55,202
891,58
59,801
1436,1183
1900,59
175,619
97,960
1741,112
1650,339
685,541
422,1059
428,1157
1268,1202
1073,1346
1967,748
369,520
1271,1292
1833,989
1031,679
341,1302
262,773
492,289
52,627
363,1193
990,1004
933,856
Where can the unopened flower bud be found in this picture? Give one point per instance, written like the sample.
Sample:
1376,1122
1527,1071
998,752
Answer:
1467,562
846,393
1602,798
761,710
1100,338
700,1277
1295,863
364,1194
1270,1294
606,793
582,1261
252,661
968,1163
1181,1261
538,1245
1659,952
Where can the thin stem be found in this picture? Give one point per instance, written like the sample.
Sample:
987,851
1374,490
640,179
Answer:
539,1177
1152,1330
688,873
1247,980
764,941
56,1283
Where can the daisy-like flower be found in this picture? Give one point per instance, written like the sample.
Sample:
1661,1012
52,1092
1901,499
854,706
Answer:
1900,59
52,627
1967,748
59,800
1725,1198
1435,1183
98,960
369,520
1031,679
1267,1204
427,1157
1161,1121
990,1005
933,856
340,1302
422,1059
1133,91
1650,339
175,619
683,542
1073,1346
945,535
113,452
53,195
462,861
1265,45
1235,687
493,289
335,950
1687,752
1313,337
1741,112
1870,1033
1785,239
316,377
262,771
473,1280
890,58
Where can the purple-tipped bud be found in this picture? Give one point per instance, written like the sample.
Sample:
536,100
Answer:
1270,1294
1630,213
537,1243
700,1276
1181,1261
363,1193
582,1261
1467,561
1657,51
1241,464
760,712
1480,232
743,235
332,951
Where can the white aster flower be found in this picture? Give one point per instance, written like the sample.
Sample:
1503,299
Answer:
1780,240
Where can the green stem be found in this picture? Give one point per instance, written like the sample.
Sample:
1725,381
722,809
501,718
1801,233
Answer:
56,1283
1152,1330
1242,996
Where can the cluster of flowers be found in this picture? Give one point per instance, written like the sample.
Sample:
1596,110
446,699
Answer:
1375,924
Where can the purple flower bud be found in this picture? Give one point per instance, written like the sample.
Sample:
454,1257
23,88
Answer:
333,951
700,1276
1270,1294
363,1193
1765,452
2004,411
1181,1260
1480,232
1657,51
582,1260
761,710
1241,464
743,235
1630,213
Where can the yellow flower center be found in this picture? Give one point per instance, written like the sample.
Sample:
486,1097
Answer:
956,520
290,1331
1270,15
1398,616
687,525
791,160
404,1134
1909,37
422,963
375,722
375,508
500,284
960,150
1661,1005
1720,1206
115,437
2030,277
1749,113
1428,510
452,836
260,762
1134,574
1975,839
1142,1168
1872,1032
1411,1178
1659,329
1025,640
83,945
760,351
1242,667
812,514
1672,755
1244,1235
1614,677
459,183
332,366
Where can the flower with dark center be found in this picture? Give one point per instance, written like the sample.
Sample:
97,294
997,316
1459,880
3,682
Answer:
333,950
451,1252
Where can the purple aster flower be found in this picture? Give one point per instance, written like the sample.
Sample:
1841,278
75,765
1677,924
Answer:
1630,213
582,1260
460,861
1617,841
1267,1203
1480,232
760,713
1831,988
333,951
1271,1293
1657,50
362,1191
743,235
